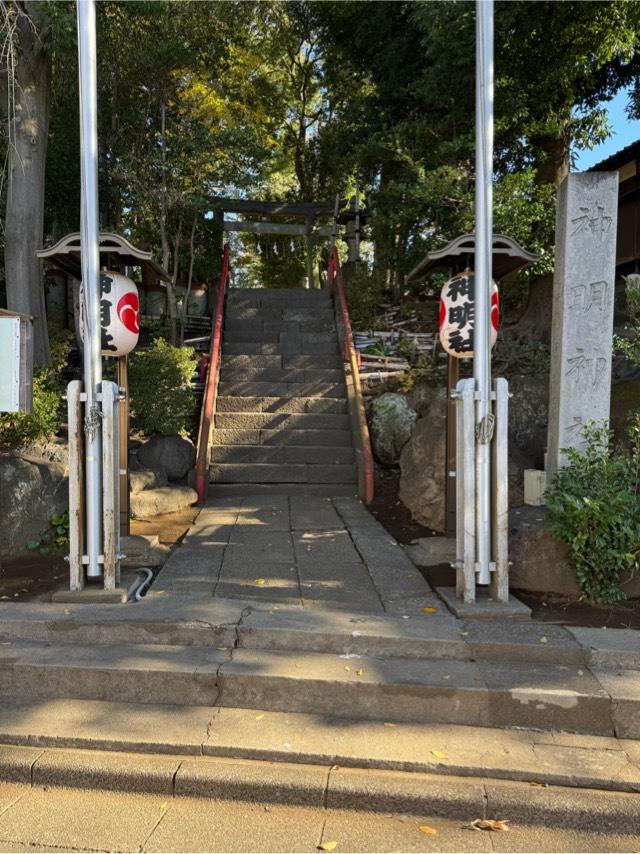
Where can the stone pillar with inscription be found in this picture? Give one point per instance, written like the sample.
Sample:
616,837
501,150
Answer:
582,326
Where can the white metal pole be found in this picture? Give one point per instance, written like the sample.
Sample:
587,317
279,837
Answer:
483,256
87,66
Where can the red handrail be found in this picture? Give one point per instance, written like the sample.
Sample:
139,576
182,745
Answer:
352,359
211,382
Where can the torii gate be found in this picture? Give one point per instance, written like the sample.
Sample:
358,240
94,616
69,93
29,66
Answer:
309,211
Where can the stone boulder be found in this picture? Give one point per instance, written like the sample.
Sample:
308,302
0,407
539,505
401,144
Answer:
140,479
539,560
391,423
422,468
160,501
32,490
171,454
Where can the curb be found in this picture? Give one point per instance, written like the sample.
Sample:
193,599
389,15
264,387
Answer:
323,787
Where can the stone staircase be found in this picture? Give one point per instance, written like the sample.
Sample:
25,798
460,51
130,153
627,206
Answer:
282,409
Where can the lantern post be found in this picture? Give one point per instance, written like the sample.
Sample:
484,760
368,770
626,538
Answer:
483,263
90,255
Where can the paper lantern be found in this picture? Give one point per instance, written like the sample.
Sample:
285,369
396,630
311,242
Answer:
119,314
457,315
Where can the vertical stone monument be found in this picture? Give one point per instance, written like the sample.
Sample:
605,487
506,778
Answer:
582,326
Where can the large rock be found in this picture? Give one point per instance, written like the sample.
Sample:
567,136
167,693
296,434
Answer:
539,560
140,479
160,501
422,468
172,454
32,490
391,423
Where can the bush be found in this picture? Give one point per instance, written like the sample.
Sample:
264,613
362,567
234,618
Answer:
594,507
162,399
17,429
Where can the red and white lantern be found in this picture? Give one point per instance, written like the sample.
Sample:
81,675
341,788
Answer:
119,314
457,315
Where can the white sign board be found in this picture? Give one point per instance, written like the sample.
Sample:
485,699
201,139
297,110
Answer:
16,359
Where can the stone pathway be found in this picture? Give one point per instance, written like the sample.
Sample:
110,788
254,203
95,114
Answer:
305,551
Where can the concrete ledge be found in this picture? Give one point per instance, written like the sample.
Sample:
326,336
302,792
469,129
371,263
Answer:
329,787
16,763
80,769
274,782
395,791
91,596
484,608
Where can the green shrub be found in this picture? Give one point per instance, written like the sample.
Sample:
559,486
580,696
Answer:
594,507
17,429
162,400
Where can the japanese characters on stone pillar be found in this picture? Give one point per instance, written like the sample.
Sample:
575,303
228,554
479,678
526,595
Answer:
582,326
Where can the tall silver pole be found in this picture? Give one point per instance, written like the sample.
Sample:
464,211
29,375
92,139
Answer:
87,66
483,257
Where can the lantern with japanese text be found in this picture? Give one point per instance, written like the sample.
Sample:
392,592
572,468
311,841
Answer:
119,314
457,315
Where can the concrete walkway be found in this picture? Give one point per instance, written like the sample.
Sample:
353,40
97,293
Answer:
297,550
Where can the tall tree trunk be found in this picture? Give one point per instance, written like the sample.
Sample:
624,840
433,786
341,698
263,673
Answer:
28,127
552,160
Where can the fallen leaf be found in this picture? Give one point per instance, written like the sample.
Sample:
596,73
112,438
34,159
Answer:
489,824
328,846
360,672
259,717
347,668
544,639
67,611
425,828
164,805
580,672
430,610
439,754
464,634
446,677
388,723
259,581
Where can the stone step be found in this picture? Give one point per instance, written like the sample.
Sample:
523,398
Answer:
281,421
314,356
281,473
301,390
397,690
281,454
224,622
246,373
274,330
338,438
304,759
352,688
230,403
284,296
279,314
180,675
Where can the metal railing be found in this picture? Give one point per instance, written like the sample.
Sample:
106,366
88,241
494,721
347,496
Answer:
211,383
351,357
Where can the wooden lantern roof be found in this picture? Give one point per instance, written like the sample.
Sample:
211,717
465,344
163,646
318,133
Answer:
115,252
507,257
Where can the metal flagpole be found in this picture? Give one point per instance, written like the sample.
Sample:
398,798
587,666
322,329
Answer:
87,66
483,257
